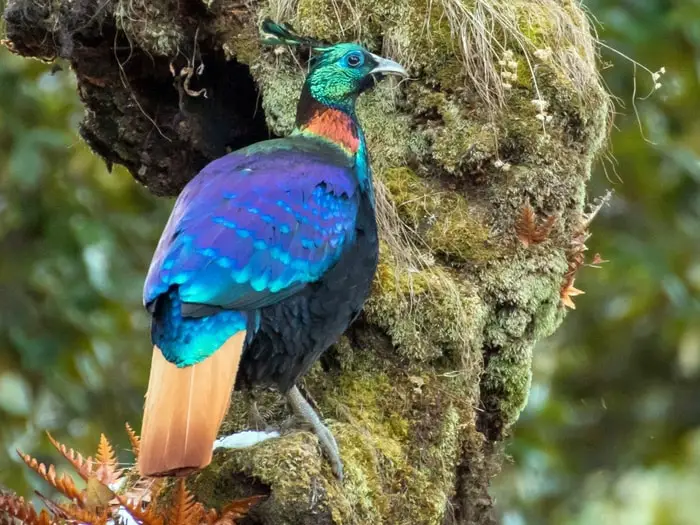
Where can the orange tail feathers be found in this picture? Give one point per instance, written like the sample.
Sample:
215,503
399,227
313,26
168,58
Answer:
184,410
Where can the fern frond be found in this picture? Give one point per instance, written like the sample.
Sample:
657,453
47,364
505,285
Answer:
209,516
63,483
78,514
105,453
528,229
146,516
16,508
135,441
238,509
185,511
105,469
83,466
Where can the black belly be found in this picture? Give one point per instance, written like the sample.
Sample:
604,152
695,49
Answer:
295,332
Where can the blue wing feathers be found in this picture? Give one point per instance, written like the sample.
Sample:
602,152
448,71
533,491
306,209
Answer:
254,227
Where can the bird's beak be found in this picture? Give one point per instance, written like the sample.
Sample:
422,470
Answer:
388,67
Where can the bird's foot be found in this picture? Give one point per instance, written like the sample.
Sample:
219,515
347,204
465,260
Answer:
303,409
245,439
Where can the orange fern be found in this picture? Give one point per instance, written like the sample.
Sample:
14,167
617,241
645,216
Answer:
106,470
75,513
147,516
185,510
135,441
238,509
16,508
576,256
83,466
569,291
98,503
63,483
528,228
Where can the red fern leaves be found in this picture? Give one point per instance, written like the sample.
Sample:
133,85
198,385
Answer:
146,516
238,509
98,504
185,510
63,483
103,467
135,441
530,230
15,508
81,465
106,471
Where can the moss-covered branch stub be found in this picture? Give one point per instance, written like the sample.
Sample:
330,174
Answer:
129,58
458,173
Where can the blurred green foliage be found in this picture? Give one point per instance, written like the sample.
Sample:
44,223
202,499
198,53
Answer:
612,431
611,435
75,242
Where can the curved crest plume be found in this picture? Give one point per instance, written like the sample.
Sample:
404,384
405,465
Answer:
284,34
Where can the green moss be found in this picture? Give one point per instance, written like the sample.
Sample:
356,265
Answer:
291,466
376,444
462,141
317,17
527,308
506,382
373,444
437,58
382,440
443,219
435,481
390,138
427,313
535,23
281,88
150,26
243,45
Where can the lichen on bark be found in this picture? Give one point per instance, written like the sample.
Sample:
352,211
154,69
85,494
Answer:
422,391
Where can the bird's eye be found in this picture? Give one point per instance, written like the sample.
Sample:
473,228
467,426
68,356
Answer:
355,59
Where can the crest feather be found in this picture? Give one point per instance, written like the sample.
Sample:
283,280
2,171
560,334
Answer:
284,34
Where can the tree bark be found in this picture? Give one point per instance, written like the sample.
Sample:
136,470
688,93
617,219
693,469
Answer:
504,115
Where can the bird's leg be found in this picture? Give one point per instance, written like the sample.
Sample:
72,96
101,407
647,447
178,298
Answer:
303,409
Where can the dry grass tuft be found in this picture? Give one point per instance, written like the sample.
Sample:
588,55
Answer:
282,10
540,31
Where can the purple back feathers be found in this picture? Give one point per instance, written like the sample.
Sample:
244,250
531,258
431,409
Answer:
257,225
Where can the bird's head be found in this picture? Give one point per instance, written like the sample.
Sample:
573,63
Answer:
342,71
339,72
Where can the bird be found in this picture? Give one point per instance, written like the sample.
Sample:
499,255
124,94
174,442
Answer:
267,257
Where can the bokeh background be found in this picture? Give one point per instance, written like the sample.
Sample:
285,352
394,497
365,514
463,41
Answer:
611,434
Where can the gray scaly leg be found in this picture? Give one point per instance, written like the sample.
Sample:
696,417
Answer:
304,410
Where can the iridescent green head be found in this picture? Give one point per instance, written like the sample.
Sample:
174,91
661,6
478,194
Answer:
340,72
343,71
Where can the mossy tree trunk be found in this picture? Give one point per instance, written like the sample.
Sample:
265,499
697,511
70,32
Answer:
504,111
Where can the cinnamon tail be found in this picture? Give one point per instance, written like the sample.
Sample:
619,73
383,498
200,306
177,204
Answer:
184,409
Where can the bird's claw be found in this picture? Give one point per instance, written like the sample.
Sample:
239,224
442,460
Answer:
329,446
331,450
